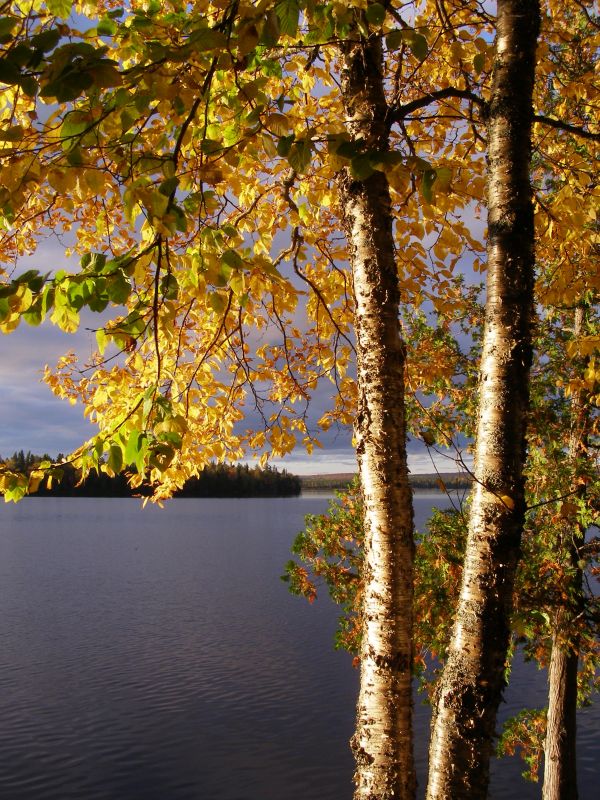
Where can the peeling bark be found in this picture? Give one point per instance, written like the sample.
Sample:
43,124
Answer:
471,686
382,743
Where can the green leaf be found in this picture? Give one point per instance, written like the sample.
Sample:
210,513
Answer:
140,461
29,85
390,158
300,155
419,47
8,289
479,62
427,182
9,73
169,168
7,26
181,223
115,458
169,287
416,41
443,179
106,27
172,437
28,276
284,145
104,74
141,21
75,156
208,146
15,493
271,29
47,299
348,149
118,288
361,167
375,14
288,13
102,340
207,39
20,55
60,8
72,128
232,259
75,295
96,262
132,448
168,186
98,303
46,40
395,38
217,302
69,87
223,276
161,456
33,316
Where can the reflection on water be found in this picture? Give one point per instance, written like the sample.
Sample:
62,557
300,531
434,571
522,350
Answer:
156,655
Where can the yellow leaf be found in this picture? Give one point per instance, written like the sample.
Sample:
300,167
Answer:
278,123
507,501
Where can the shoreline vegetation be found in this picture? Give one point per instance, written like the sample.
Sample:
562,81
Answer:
217,480
439,481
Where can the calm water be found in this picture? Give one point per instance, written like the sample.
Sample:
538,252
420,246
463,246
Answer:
156,655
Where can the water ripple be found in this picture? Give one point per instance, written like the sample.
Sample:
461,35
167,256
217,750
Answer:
156,656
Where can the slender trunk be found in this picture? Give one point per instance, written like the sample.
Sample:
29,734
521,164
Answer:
382,743
471,685
560,769
560,765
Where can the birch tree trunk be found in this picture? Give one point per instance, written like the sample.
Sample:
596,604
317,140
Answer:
560,765
382,743
471,685
560,768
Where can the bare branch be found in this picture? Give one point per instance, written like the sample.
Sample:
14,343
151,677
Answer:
565,126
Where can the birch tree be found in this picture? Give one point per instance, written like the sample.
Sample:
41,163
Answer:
208,158
471,685
383,742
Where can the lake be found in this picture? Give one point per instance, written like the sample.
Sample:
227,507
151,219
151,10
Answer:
156,655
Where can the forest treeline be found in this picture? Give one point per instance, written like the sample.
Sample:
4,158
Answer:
440,481
216,480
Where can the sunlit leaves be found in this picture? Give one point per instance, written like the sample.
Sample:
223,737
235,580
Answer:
288,13
61,8
175,135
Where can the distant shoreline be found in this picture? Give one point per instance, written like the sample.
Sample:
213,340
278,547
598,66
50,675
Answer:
438,481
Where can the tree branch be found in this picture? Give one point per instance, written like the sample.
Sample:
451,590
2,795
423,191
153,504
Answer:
565,126
399,113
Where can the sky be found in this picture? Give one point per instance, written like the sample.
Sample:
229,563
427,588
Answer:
32,418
